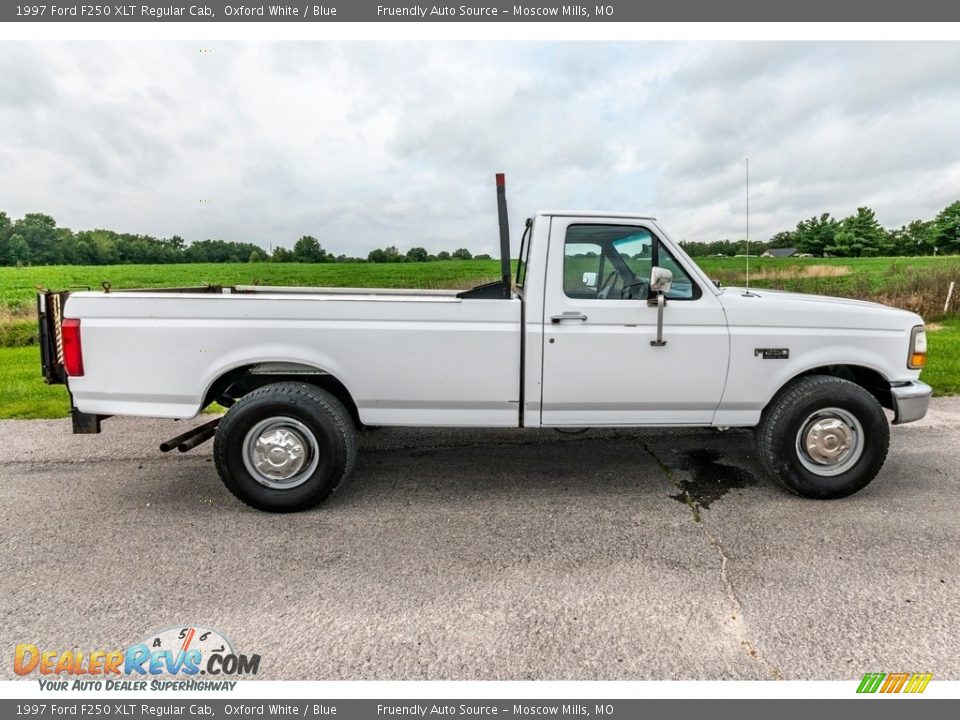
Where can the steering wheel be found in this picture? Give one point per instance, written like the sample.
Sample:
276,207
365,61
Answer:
642,290
607,286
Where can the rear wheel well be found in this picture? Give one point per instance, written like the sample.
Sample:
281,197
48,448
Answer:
234,384
867,378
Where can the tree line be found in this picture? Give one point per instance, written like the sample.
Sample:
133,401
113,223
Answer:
35,239
859,235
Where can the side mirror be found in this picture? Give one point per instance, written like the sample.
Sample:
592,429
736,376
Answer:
660,279
590,279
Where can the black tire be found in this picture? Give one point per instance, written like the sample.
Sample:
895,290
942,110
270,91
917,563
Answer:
294,417
804,411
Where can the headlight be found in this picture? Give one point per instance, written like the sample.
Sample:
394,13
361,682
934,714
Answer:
918,348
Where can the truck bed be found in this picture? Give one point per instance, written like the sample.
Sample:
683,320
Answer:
407,357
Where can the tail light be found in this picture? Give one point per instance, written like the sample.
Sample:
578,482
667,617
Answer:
72,352
918,348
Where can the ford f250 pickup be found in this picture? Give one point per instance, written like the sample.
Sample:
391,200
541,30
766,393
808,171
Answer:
605,322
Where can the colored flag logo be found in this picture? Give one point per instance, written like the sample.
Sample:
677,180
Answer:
894,682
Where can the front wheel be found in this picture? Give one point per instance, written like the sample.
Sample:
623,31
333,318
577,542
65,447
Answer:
285,447
823,437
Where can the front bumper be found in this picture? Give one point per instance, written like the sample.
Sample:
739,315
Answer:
910,401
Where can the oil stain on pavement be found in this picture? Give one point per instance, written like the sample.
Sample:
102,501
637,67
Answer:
709,478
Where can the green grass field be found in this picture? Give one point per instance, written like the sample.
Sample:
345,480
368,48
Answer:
919,284
943,360
18,285
845,277
872,267
23,394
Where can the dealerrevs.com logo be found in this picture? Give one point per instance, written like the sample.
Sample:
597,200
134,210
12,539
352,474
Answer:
154,664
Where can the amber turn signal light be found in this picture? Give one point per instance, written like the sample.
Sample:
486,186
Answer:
918,348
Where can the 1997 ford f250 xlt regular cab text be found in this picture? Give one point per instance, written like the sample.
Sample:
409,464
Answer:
607,322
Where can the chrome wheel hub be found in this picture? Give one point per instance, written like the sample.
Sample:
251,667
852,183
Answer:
830,441
280,452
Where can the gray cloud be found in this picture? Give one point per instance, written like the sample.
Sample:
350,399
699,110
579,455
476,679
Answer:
366,144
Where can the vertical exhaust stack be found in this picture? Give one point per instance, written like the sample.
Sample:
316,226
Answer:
505,273
502,288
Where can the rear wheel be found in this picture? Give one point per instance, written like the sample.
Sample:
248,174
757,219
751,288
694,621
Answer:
285,447
823,437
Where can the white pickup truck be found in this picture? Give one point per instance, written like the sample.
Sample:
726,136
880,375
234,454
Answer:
606,322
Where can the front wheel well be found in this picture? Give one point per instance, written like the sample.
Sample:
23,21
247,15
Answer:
867,378
234,384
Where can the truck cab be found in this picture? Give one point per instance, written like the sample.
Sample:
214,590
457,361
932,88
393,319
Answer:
592,324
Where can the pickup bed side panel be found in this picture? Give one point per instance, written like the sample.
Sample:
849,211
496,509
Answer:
406,360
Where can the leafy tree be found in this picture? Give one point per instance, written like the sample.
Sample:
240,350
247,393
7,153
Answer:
385,255
915,238
6,231
281,255
482,256
417,254
721,247
462,254
39,231
443,255
860,235
945,231
18,251
816,234
219,251
307,249
99,246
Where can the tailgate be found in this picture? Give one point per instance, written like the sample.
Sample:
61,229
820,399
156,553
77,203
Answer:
50,320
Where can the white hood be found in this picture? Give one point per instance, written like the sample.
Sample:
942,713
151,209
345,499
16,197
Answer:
760,306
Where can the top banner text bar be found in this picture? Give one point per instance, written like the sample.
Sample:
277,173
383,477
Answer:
160,11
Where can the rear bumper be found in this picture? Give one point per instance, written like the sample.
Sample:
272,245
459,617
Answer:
910,401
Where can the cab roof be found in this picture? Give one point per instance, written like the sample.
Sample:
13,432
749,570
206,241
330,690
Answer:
594,214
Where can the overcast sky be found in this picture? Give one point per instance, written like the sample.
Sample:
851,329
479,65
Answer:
368,144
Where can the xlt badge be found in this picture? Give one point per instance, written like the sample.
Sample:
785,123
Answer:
772,353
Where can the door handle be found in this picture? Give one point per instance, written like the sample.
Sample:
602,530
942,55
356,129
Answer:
568,316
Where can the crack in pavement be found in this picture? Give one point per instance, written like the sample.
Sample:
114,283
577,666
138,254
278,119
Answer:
735,623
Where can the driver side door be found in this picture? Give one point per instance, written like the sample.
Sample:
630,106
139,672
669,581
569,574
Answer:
599,367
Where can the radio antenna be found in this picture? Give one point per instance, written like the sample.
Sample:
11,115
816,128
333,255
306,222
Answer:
747,292
748,224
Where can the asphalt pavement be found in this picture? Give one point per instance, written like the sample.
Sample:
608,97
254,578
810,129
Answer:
612,554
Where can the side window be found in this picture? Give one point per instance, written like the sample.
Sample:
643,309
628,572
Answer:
683,287
613,262
636,251
582,269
